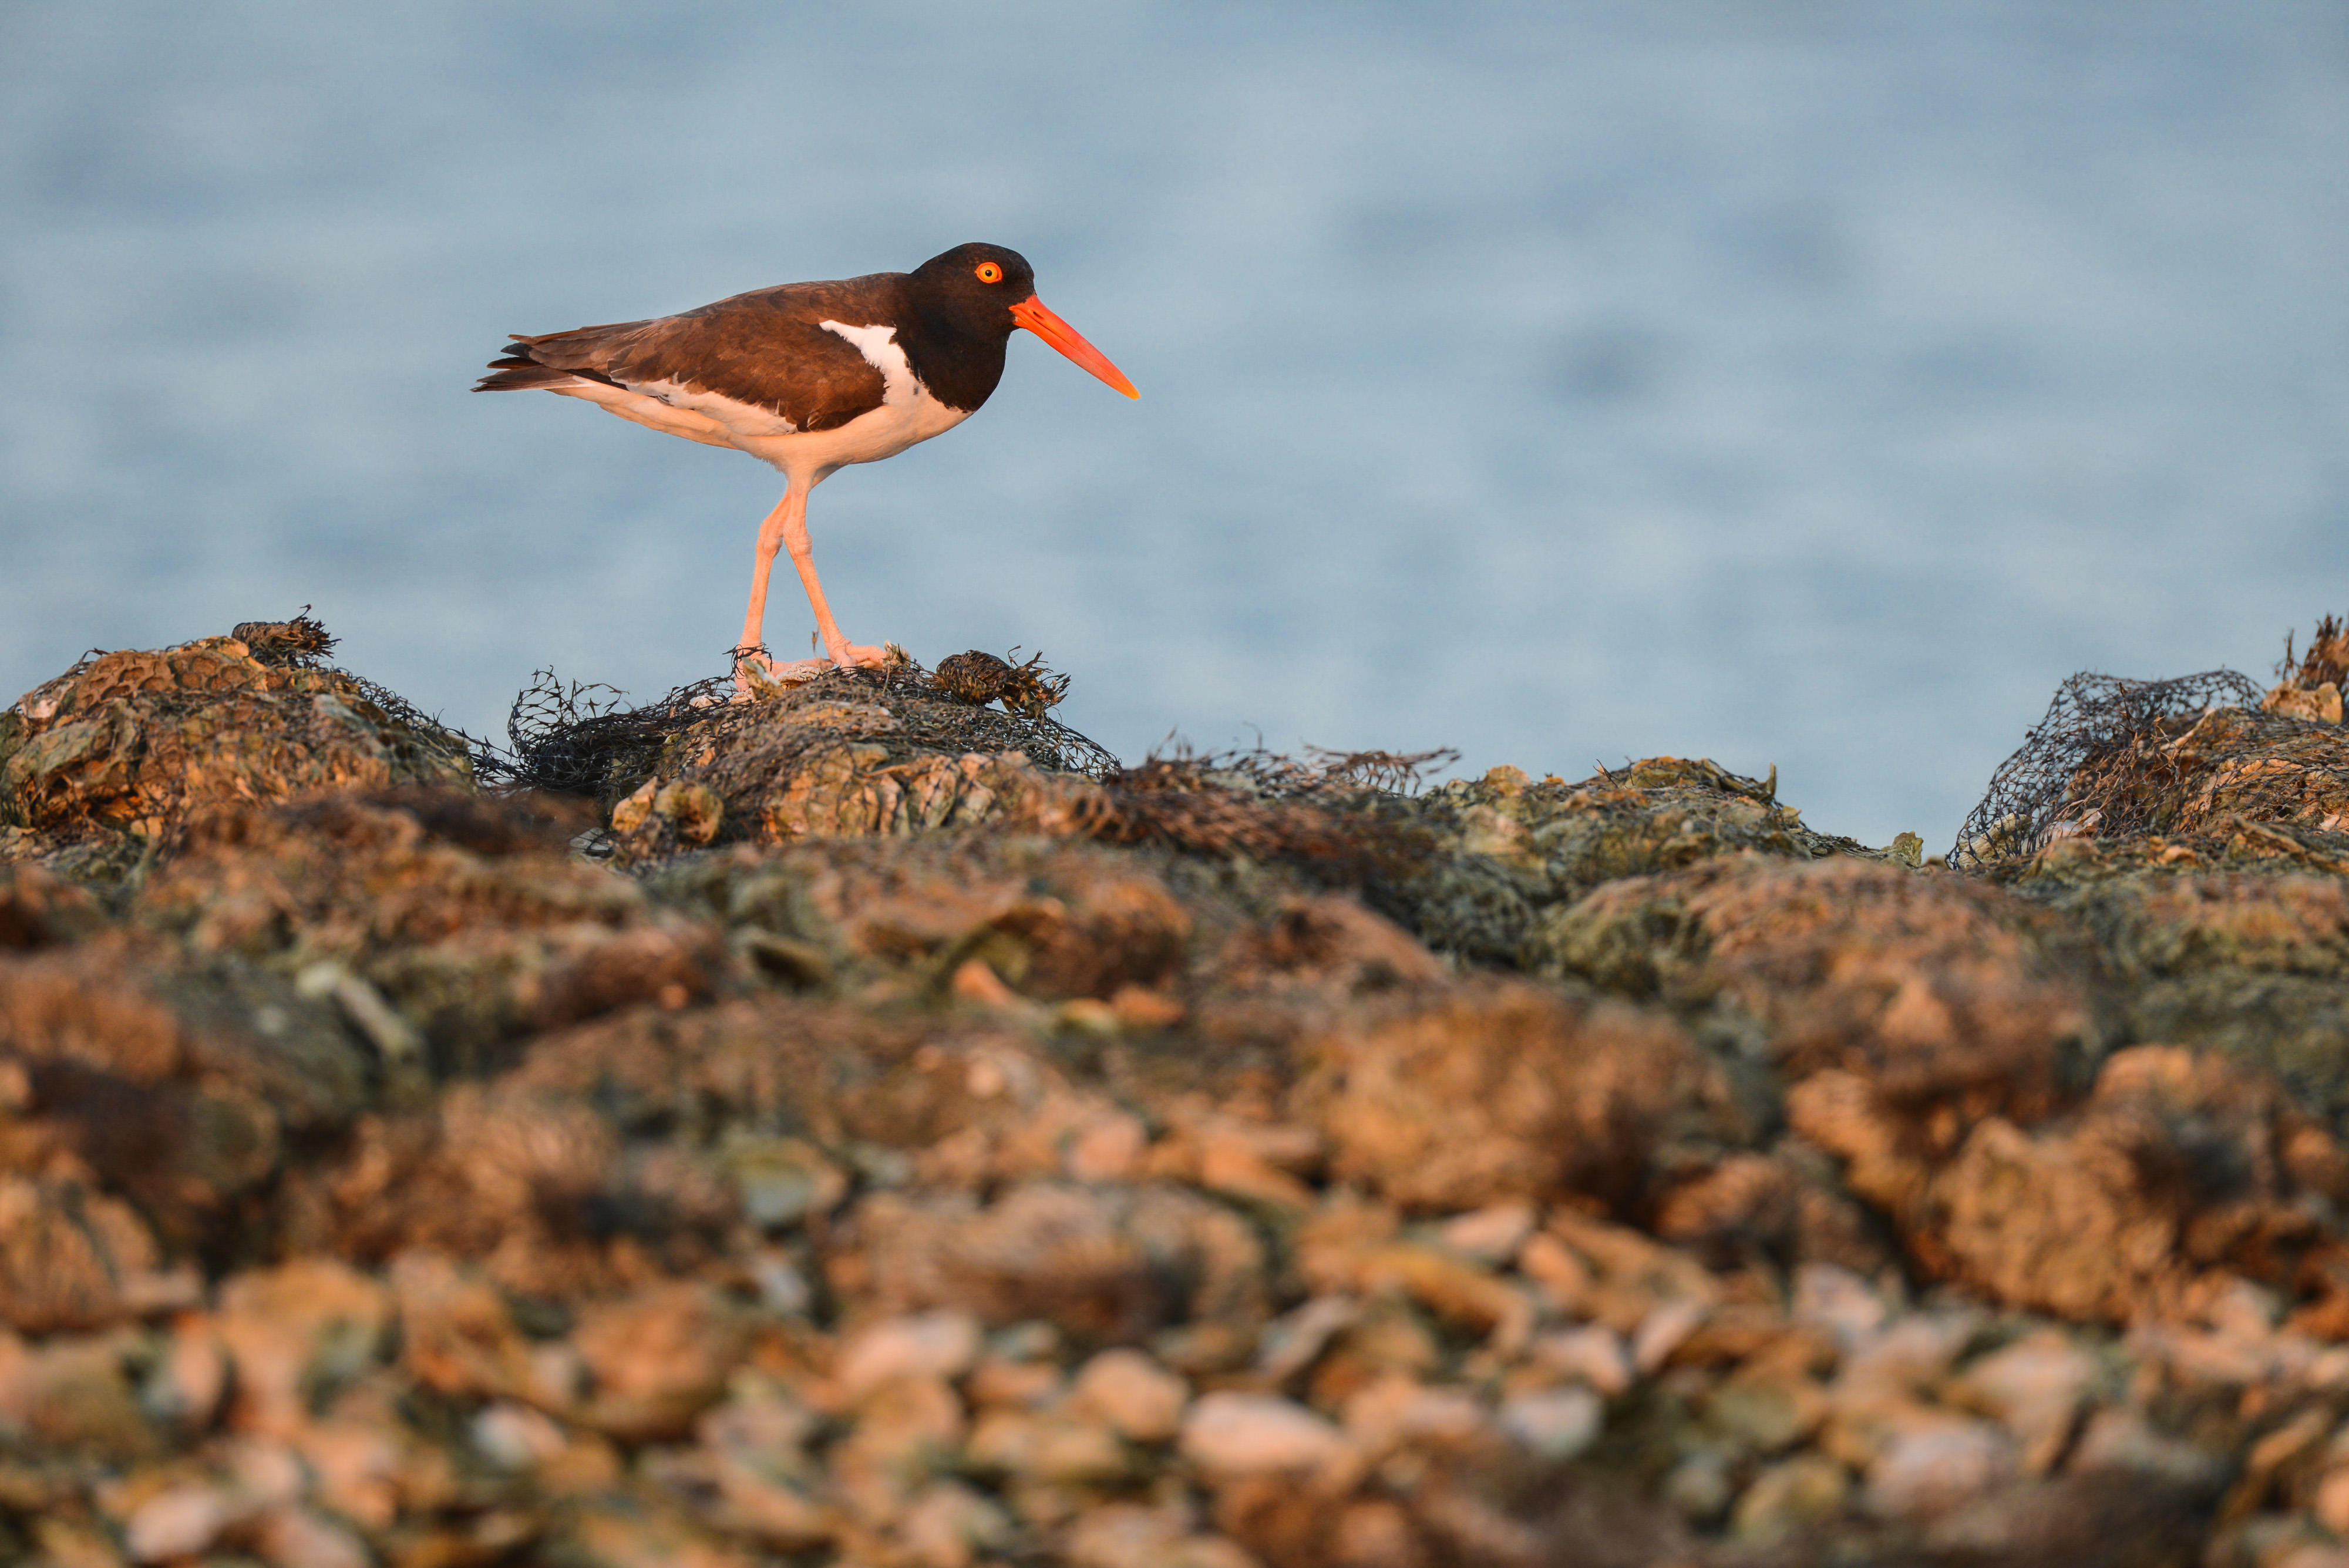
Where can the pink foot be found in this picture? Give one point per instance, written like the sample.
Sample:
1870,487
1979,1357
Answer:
845,654
755,670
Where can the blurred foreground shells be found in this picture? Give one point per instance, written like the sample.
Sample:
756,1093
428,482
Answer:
853,1124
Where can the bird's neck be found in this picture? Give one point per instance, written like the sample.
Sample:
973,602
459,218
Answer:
959,370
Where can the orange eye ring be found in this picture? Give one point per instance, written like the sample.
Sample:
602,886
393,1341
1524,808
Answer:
989,273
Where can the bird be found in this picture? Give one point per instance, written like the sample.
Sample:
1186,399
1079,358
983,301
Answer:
810,378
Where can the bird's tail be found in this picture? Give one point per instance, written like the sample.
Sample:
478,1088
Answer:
521,375
556,359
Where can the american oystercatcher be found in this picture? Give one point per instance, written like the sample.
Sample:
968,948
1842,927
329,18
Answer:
810,377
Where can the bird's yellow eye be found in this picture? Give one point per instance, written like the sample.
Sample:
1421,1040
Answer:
989,273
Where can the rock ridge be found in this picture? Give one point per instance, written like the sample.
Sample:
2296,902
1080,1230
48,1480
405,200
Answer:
854,1127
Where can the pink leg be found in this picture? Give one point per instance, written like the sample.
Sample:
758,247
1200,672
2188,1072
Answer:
786,527
841,652
771,539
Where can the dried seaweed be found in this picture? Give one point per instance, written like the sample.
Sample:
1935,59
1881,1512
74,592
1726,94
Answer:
2325,660
979,679
299,641
930,718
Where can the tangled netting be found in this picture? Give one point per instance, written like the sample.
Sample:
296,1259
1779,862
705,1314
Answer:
1267,806
583,739
302,642
2099,763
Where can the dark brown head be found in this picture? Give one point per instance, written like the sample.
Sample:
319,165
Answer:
982,293
970,289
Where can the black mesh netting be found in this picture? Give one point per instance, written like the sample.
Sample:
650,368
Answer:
580,738
753,753
301,642
2100,762
1321,807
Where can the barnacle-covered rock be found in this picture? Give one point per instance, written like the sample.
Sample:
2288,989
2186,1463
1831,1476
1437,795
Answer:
851,1123
126,746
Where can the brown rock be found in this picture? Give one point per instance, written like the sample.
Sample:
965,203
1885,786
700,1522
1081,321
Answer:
1769,1411
1068,922
1555,1424
908,1433
1593,1353
1332,944
1278,1521
168,1088
456,1333
1925,986
1105,1263
1500,1091
135,742
469,917
2249,961
2174,1165
185,1387
659,1358
1398,1412
291,1537
2038,1387
940,1345
620,1536
294,1333
758,1441
38,909
1931,1467
946,1524
71,1259
1139,1399
1125,1535
1234,1434
1793,1496
180,1522
2104,1517
2319,704
1126,1193
535,1185
72,1393
1063,1446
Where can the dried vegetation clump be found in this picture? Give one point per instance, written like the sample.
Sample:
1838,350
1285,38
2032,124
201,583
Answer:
2308,685
862,1124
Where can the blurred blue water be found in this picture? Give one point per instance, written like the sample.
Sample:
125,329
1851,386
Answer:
1812,383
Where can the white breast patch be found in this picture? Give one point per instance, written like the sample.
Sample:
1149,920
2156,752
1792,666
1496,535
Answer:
879,346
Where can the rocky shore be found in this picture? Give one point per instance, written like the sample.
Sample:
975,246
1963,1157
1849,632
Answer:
862,1125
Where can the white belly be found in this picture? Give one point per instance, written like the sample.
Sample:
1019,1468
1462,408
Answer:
868,438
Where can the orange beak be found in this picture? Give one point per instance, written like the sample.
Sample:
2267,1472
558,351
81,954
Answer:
1031,313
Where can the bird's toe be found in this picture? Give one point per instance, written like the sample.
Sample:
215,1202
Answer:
759,672
846,655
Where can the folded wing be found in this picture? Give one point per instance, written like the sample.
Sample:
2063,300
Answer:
758,364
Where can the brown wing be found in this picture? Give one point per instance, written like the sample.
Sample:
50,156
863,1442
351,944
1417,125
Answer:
763,348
